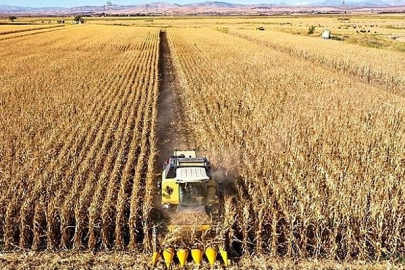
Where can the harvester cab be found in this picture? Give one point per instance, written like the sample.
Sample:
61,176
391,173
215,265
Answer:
188,186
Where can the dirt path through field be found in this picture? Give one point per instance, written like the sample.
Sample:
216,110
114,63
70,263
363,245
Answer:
172,131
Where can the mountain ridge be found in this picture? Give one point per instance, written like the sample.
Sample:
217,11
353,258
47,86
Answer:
200,7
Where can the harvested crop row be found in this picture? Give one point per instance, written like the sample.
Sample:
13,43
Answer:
98,99
33,32
6,30
318,157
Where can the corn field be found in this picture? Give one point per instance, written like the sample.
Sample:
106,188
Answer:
317,155
363,64
310,148
77,138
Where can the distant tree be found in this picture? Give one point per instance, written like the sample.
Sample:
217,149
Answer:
12,18
78,19
311,29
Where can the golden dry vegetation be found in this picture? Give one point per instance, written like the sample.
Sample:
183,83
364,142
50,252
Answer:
308,135
11,31
365,64
15,28
77,138
318,155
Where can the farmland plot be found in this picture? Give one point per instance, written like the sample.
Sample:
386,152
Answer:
310,145
10,29
77,128
13,32
371,65
318,155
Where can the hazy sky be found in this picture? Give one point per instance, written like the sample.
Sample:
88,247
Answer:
76,3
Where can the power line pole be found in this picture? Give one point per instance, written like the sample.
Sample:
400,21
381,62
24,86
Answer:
109,6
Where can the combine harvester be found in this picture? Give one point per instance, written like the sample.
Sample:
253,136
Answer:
192,200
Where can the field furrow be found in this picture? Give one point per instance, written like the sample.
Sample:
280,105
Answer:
33,32
11,29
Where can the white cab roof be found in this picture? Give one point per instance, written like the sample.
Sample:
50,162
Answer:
187,154
191,174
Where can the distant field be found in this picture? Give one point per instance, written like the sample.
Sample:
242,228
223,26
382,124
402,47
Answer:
9,29
10,32
310,134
